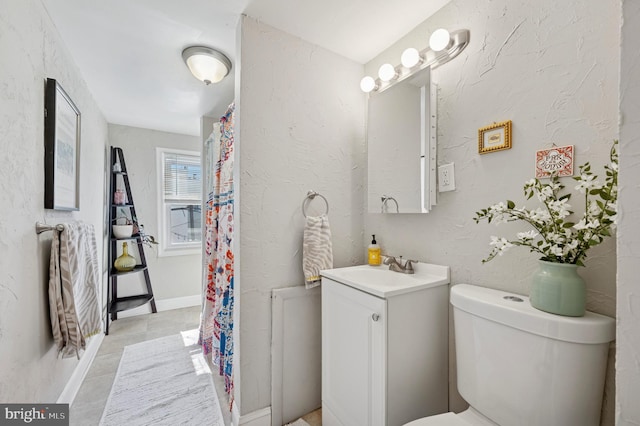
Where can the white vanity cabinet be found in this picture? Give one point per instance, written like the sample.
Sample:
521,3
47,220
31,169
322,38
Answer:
384,345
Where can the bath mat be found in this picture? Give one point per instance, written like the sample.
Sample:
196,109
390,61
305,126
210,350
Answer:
165,381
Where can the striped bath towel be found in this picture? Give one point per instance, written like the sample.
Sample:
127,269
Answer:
73,288
317,253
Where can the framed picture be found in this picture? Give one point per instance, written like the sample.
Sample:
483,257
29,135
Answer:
495,137
558,160
61,149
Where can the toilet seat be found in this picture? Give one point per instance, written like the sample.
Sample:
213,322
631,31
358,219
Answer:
447,419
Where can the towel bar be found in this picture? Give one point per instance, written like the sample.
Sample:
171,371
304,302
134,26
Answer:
310,196
43,227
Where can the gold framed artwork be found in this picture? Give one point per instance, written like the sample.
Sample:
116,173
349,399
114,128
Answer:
495,137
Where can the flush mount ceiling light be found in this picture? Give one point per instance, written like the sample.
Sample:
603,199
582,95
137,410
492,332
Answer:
443,47
206,64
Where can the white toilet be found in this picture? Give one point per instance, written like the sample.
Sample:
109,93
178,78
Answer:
520,366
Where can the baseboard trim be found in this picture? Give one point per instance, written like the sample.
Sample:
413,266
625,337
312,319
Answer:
260,417
72,387
164,305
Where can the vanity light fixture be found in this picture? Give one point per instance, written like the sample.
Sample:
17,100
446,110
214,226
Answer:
443,47
410,58
368,84
387,72
206,64
440,40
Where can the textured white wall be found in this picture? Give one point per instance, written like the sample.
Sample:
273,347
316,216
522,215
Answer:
628,336
30,51
552,68
301,127
171,276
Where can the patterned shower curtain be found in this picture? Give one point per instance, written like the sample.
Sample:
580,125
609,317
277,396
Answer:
216,324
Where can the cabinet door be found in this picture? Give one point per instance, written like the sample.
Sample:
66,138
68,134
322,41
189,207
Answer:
353,355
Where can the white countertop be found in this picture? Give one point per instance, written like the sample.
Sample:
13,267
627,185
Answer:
381,282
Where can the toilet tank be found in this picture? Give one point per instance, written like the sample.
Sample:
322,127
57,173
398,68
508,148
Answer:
520,366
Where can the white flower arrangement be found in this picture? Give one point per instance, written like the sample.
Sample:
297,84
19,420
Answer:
554,235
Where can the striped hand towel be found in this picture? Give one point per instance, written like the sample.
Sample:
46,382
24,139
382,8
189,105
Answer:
317,253
73,288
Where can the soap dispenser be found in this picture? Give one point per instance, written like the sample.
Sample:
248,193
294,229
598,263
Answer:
374,256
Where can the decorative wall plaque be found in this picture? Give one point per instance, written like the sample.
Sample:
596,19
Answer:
558,160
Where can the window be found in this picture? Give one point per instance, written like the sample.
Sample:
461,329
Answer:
179,202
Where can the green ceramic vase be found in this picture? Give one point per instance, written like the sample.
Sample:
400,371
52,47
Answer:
558,289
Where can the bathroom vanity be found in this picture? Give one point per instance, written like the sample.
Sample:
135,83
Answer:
384,344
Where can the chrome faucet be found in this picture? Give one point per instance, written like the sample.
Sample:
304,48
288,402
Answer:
396,265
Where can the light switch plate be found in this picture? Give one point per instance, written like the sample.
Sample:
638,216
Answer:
446,178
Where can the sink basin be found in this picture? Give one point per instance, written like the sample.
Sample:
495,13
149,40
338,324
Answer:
378,276
380,281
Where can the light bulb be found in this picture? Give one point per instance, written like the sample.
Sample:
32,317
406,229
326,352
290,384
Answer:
386,72
439,40
410,58
367,84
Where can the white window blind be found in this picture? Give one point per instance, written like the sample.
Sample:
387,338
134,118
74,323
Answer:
182,177
179,201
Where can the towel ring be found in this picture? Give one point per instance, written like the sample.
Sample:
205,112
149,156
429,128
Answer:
384,199
310,196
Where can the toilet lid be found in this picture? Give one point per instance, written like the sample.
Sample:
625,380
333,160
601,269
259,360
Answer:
447,419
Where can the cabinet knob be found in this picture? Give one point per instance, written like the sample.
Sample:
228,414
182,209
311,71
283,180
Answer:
375,317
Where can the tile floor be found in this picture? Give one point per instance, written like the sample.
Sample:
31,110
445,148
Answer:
87,408
314,418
